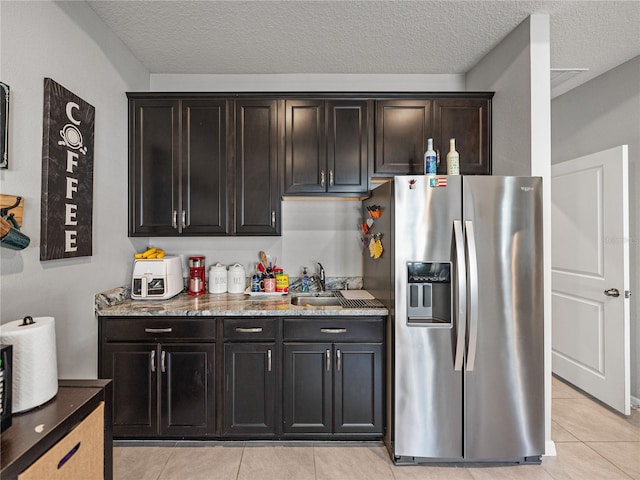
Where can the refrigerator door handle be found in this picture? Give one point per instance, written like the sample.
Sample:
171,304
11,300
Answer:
461,294
472,275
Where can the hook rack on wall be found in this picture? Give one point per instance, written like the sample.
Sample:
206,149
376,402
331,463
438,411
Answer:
12,205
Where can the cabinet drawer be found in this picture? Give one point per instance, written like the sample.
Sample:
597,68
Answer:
158,329
334,330
247,329
78,455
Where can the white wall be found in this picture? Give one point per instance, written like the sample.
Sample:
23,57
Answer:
306,83
600,114
518,71
325,231
69,44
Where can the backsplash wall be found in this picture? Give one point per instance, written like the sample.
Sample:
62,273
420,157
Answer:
325,231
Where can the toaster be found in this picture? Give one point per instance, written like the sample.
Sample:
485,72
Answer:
156,278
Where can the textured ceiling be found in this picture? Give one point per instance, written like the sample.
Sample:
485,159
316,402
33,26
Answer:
375,36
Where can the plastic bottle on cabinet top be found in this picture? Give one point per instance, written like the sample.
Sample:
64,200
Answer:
430,160
453,159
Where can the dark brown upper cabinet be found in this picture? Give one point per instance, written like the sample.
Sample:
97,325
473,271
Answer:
203,165
257,189
403,125
402,129
326,146
466,120
177,167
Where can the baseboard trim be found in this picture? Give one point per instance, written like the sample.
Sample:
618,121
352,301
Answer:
550,449
635,401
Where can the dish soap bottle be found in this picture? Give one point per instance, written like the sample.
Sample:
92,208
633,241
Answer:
304,286
453,159
430,164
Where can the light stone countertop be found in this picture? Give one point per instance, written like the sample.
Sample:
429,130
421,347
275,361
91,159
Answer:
118,303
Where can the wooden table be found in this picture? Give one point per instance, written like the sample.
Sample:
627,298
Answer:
21,444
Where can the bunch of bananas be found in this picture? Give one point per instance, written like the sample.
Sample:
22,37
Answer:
150,253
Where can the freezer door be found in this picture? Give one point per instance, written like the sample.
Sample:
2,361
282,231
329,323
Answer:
427,386
504,392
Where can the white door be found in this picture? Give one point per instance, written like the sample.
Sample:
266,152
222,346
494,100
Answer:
590,275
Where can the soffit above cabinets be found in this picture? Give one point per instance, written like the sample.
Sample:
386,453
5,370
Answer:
363,37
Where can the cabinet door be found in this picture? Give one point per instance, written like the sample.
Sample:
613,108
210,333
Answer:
133,369
466,120
358,388
249,388
305,146
307,388
402,128
154,166
204,167
347,145
256,168
188,389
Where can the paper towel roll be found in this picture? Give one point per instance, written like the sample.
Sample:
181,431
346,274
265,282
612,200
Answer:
35,368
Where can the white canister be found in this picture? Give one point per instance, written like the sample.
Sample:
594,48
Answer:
218,278
236,279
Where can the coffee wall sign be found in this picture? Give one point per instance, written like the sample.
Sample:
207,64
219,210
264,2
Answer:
67,174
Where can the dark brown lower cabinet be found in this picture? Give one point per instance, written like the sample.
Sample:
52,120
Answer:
267,378
250,389
333,389
161,390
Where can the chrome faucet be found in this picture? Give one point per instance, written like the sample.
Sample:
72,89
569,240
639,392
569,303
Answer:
322,277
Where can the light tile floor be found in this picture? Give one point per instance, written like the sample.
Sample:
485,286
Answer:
592,443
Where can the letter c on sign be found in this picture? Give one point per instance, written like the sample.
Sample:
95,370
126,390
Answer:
70,107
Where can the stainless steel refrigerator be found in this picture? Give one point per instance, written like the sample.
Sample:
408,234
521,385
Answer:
461,273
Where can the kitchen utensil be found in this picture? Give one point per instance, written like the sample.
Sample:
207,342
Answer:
265,260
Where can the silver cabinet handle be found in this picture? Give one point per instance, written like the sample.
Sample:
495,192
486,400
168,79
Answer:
158,330
174,222
152,361
269,360
472,272
162,365
273,219
460,295
338,360
331,178
184,218
328,356
248,329
612,292
333,330
322,178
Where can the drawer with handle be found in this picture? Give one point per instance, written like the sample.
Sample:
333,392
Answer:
339,329
249,329
78,455
127,329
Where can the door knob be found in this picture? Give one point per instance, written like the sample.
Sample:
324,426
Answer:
612,292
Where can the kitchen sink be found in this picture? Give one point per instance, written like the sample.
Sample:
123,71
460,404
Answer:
316,300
